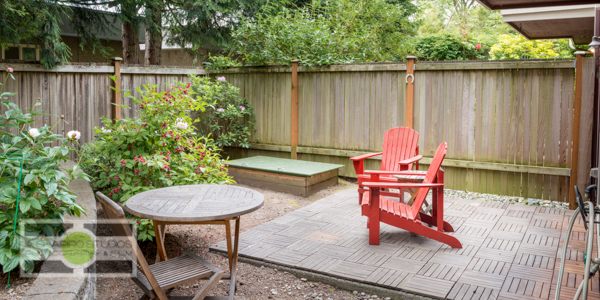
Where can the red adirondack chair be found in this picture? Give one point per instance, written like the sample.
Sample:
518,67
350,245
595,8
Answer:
400,152
379,208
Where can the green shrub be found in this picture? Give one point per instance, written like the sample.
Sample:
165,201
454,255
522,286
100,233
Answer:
157,149
229,118
215,64
43,195
324,33
517,47
446,46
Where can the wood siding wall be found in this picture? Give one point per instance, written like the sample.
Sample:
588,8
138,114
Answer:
508,124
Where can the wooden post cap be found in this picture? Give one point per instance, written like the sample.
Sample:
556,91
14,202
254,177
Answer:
581,52
116,58
295,60
411,57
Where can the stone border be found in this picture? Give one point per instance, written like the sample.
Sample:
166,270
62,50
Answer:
74,288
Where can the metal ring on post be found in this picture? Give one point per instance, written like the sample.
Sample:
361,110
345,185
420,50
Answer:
413,78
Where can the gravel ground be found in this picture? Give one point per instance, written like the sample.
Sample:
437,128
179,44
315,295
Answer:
254,282
506,199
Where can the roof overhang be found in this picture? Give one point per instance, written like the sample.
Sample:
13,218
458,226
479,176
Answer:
574,22
517,4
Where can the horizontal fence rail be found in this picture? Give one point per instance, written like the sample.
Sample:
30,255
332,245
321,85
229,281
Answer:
508,124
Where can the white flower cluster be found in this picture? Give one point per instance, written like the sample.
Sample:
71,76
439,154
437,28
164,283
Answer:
180,124
74,135
34,132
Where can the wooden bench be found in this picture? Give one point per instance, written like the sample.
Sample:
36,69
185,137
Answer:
298,177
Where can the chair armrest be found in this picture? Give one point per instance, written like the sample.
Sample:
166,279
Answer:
410,160
379,172
358,161
392,185
365,156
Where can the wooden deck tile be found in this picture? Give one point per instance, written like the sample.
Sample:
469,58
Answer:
390,277
352,270
468,291
489,266
402,264
318,263
491,280
306,247
429,286
441,271
367,257
509,251
287,257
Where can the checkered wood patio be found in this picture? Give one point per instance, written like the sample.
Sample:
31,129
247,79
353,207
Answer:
509,251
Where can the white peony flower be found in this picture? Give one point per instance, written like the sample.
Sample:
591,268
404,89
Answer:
180,124
74,135
33,132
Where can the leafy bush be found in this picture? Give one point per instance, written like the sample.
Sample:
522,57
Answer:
157,149
215,64
446,46
43,193
517,47
324,33
229,118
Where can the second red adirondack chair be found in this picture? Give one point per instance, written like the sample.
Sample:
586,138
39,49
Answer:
379,208
400,152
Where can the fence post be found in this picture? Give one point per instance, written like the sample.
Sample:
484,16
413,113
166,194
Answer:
294,135
576,123
410,92
116,110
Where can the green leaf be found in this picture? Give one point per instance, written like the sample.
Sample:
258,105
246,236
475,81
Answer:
29,178
31,254
27,265
10,265
34,203
48,230
24,206
15,242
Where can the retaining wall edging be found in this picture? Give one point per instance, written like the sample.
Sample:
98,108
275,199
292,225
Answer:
82,286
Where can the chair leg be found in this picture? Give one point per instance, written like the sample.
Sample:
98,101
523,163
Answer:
374,217
360,195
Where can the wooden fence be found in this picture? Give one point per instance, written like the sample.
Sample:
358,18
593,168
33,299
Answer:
509,124
81,92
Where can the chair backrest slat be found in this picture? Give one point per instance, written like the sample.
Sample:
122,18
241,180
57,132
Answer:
436,164
399,143
120,227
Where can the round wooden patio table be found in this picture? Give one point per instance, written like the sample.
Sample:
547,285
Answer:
197,204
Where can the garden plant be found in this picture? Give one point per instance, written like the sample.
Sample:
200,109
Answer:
229,118
34,189
158,148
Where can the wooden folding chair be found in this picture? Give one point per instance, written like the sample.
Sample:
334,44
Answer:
155,279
